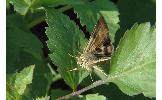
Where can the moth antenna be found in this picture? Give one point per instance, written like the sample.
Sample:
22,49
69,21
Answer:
91,77
73,56
95,67
103,59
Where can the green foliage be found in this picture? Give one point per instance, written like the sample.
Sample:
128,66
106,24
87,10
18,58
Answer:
88,12
56,93
30,70
93,97
133,63
17,82
138,11
62,48
23,6
43,98
24,49
112,92
18,41
89,97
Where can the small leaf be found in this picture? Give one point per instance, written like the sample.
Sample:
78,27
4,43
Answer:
88,13
92,97
16,83
23,78
21,6
65,39
133,64
43,98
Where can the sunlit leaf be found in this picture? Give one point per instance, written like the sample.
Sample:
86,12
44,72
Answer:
17,82
133,64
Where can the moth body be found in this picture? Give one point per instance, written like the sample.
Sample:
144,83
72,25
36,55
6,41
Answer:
86,60
98,49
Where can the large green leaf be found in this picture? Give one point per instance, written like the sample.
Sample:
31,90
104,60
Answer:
18,41
88,15
17,83
24,49
65,39
133,63
88,12
91,12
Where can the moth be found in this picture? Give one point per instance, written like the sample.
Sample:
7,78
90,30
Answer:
98,49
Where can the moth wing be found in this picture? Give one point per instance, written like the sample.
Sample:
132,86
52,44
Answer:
98,36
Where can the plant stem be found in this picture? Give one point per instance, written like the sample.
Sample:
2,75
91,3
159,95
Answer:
95,84
36,21
52,70
57,77
64,8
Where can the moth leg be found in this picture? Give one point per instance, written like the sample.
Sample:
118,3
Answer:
97,68
102,59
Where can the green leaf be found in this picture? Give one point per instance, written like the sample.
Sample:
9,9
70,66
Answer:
90,97
112,92
17,83
133,63
88,13
94,97
65,39
23,78
43,98
41,75
54,3
138,11
23,6
20,40
24,49
35,18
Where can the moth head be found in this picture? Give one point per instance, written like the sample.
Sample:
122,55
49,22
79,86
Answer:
81,59
85,60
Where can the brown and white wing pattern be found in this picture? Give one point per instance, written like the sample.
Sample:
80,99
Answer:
99,43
